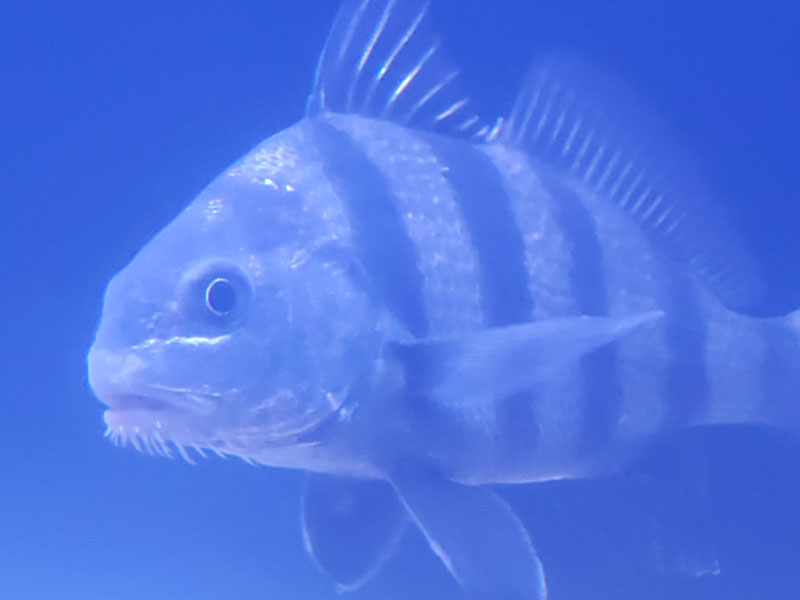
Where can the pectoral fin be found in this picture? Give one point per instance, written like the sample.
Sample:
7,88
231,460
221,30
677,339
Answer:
494,363
475,534
350,526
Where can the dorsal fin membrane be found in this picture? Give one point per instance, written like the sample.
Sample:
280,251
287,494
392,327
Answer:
569,116
381,60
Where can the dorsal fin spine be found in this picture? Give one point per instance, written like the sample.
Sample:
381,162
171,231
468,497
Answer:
558,126
376,34
612,163
387,64
473,120
365,55
408,79
382,61
652,209
517,128
452,109
434,90
571,136
402,43
596,158
624,172
582,150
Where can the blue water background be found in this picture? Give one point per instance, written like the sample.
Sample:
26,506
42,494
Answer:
114,115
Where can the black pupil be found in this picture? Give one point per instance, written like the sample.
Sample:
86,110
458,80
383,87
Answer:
220,296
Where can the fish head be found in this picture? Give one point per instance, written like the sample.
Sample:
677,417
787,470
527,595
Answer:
240,326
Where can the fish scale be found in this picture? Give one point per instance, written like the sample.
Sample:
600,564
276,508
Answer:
546,248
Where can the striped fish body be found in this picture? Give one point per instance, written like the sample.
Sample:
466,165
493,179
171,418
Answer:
453,237
409,303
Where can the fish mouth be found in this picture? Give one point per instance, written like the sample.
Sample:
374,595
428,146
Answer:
129,402
161,399
117,380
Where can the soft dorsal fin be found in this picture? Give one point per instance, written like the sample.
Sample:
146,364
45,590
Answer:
381,60
572,117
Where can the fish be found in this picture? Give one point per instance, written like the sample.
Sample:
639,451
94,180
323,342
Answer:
413,303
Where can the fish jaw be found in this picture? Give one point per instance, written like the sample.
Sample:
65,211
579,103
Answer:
150,418
156,417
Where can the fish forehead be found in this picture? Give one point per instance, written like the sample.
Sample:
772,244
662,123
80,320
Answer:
280,194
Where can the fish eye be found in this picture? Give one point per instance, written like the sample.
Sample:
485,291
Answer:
216,291
221,296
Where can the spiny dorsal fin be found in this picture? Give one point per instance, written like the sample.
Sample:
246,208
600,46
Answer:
381,60
569,116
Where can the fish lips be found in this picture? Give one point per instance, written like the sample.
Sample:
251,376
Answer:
115,380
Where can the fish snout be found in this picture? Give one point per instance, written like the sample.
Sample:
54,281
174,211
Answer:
111,374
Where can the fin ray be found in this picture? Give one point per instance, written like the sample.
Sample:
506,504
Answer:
575,119
474,533
381,60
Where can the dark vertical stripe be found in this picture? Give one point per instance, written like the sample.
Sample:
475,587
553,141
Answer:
686,390
505,297
384,248
602,394
486,208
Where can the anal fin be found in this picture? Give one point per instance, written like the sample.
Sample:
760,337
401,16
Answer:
474,532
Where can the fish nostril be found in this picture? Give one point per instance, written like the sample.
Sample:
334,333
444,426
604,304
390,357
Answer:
156,325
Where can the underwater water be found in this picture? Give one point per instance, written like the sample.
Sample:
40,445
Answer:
113,117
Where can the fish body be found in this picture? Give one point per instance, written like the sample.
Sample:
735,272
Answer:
390,293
